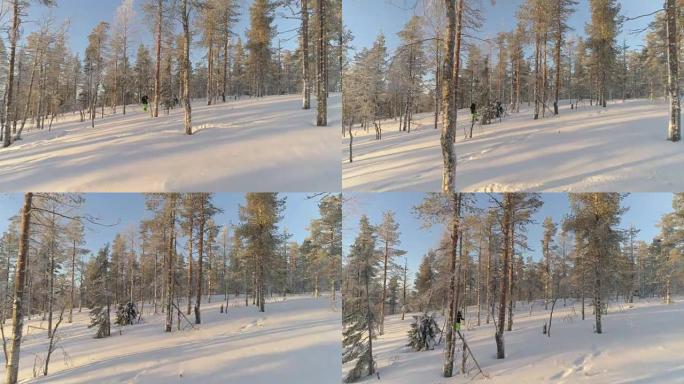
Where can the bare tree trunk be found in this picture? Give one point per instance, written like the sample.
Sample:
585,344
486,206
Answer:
506,225
449,348
9,92
674,132
200,250
157,73
186,66
598,309
12,367
170,270
73,283
559,44
210,69
448,134
190,224
306,86
403,301
511,280
322,96
384,290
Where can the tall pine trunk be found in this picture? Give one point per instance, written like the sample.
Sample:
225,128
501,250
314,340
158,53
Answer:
157,72
306,86
674,132
190,225
200,251
448,134
12,367
449,348
186,66
9,91
170,268
322,93
506,229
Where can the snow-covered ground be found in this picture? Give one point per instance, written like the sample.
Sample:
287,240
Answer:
295,341
267,144
620,149
643,343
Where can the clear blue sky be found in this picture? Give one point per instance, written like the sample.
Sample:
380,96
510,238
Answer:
126,211
645,210
84,15
367,18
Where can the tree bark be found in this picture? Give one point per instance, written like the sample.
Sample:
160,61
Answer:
505,228
190,224
448,134
200,250
322,94
12,367
170,267
9,92
157,73
674,132
306,86
186,66
449,348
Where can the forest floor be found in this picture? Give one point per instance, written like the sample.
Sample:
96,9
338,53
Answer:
259,145
243,346
641,343
619,149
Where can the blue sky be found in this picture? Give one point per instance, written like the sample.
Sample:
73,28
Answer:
84,15
126,211
645,210
367,18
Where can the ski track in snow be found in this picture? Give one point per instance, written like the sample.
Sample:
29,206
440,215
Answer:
242,346
641,344
261,145
621,149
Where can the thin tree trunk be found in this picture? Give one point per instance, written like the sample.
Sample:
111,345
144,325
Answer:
200,250
322,95
190,224
185,14
157,73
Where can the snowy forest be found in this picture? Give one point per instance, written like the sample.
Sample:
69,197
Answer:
477,296
182,63
483,90
179,271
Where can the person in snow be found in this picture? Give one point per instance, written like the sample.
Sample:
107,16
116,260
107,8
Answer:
457,324
144,103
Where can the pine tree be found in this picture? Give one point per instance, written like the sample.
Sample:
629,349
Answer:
594,221
602,32
99,275
358,318
388,236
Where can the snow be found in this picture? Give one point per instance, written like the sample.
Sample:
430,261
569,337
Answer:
620,149
260,145
642,343
295,341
